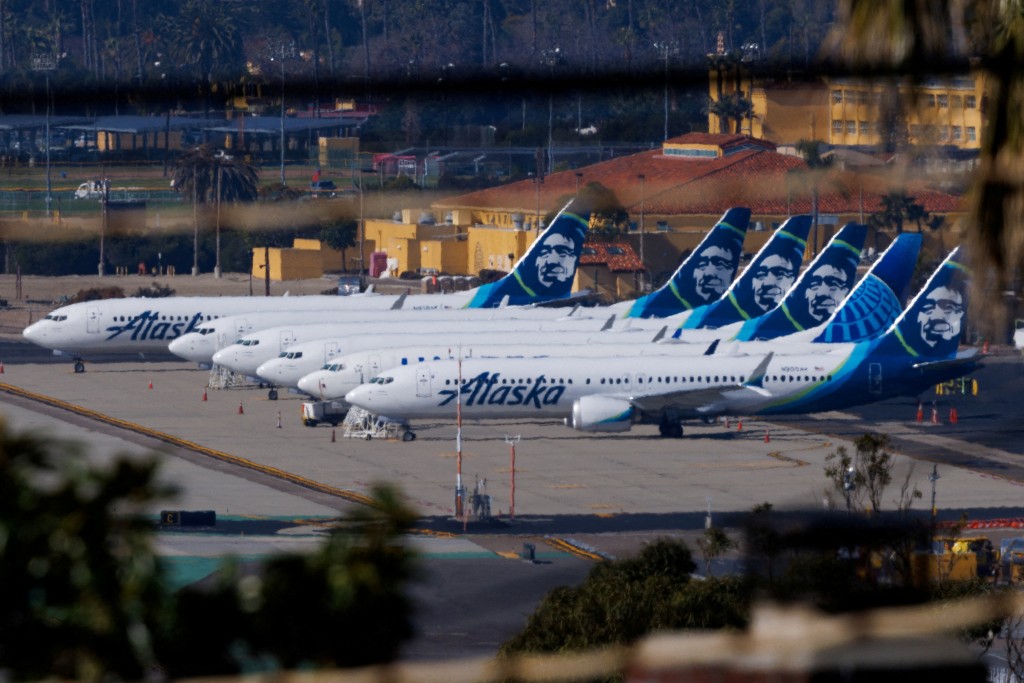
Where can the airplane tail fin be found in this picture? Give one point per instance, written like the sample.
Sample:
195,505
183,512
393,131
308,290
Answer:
684,290
930,328
762,285
877,300
547,269
818,290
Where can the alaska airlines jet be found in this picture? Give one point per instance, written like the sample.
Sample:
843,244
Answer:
141,325
611,394
703,276
250,352
867,312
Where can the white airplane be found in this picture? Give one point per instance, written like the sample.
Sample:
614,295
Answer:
610,394
142,325
326,341
206,340
872,306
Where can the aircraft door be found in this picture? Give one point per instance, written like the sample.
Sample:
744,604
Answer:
875,378
92,320
287,339
423,382
241,329
330,351
373,363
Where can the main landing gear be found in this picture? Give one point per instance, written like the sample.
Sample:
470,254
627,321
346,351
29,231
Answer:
669,428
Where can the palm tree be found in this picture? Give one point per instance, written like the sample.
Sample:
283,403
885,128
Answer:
207,36
209,177
898,208
817,165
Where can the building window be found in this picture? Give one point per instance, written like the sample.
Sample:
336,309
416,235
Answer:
837,127
851,127
929,100
956,101
956,133
970,102
943,134
862,97
943,101
837,97
972,134
864,128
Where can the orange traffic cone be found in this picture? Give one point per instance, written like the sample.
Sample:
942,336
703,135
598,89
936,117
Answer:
204,393
920,412
952,416
935,415
241,411
767,438
332,435
739,426
1,367
150,384
984,346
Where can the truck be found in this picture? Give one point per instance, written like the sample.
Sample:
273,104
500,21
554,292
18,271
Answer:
315,412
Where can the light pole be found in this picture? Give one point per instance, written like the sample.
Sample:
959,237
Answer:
284,50
643,265
216,265
933,478
512,441
665,50
550,58
46,64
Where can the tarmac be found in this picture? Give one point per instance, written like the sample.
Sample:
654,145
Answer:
276,485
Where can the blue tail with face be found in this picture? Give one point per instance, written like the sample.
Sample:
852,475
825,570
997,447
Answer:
930,327
877,300
763,284
547,269
818,291
705,274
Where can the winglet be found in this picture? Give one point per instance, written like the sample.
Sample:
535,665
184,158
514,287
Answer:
756,378
710,351
661,334
609,323
399,302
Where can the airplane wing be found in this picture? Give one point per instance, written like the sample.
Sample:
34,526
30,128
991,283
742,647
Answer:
963,358
399,302
705,400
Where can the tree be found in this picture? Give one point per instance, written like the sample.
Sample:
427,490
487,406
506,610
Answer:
210,175
341,235
714,544
897,208
85,599
207,36
867,474
732,108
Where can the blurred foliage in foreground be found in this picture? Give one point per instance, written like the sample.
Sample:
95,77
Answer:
85,596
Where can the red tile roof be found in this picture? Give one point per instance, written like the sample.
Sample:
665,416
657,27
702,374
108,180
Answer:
625,261
764,180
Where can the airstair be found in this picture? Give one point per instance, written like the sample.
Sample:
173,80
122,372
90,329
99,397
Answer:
360,424
222,378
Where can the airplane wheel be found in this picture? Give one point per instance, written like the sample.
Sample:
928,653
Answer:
272,394
369,436
409,436
79,367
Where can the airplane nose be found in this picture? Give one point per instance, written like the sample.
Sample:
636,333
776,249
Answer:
359,397
221,357
32,332
310,384
268,370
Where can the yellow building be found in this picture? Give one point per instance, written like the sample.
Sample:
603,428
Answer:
848,111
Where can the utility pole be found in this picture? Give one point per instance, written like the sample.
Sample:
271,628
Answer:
46,64
512,441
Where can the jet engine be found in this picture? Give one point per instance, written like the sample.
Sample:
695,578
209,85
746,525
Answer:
602,414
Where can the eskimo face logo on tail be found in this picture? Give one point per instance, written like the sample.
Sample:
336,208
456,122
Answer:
826,286
931,327
484,389
713,268
147,326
